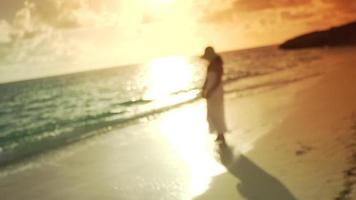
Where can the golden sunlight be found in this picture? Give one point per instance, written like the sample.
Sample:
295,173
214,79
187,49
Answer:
187,132
167,76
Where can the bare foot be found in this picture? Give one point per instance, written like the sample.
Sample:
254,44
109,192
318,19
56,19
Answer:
220,138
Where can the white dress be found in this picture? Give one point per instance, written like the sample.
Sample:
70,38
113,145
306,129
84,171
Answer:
215,105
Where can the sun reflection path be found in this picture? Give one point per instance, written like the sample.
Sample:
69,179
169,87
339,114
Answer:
187,132
168,75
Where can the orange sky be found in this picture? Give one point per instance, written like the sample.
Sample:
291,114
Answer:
39,38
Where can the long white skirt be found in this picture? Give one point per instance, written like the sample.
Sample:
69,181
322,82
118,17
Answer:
215,106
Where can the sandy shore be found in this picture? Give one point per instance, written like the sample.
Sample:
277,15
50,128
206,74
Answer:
291,137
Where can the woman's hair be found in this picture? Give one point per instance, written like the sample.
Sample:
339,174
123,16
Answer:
209,52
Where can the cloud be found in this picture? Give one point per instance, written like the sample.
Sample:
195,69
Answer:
339,10
63,14
257,5
285,18
297,14
240,8
39,31
4,31
348,6
80,21
25,25
104,32
289,9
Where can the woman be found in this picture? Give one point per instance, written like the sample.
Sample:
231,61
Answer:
214,93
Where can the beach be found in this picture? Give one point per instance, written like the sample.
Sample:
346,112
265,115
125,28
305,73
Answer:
292,135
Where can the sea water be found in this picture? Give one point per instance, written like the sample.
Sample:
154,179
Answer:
36,115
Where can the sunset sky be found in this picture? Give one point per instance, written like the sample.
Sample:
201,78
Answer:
46,37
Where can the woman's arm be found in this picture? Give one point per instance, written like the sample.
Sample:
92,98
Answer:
216,83
212,82
216,72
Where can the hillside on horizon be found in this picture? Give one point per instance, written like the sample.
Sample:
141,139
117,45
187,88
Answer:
343,35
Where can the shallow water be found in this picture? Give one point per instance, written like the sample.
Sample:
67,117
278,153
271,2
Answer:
39,114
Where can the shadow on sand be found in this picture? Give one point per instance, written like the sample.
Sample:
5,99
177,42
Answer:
254,182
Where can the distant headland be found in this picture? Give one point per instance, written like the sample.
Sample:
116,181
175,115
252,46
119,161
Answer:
344,35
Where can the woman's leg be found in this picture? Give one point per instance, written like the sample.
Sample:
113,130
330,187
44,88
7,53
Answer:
220,137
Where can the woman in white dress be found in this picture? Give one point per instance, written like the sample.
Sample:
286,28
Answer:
213,92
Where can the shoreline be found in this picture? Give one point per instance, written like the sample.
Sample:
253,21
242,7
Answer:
299,136
26,157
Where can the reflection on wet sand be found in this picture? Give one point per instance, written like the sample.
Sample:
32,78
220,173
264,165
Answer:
254,183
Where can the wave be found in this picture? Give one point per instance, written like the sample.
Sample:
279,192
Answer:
134,102
43,121
52,135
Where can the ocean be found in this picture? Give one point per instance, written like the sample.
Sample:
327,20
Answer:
38,115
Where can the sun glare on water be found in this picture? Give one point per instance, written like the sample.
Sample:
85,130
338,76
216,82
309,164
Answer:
167,76
185,129
187,133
